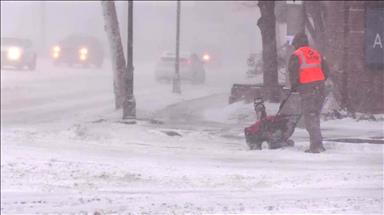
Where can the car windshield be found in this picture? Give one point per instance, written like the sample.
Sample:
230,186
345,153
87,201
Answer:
173,59
15,42
75,40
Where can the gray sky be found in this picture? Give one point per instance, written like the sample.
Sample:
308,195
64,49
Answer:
224,27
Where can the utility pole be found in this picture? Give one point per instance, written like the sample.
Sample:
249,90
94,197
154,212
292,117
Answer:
42,27
130,111
344,87
124,31
176,78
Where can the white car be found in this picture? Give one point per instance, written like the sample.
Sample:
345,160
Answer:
255,65
191,67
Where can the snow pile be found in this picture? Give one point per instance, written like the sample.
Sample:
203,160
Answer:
237,113
150,100
233,113
110,167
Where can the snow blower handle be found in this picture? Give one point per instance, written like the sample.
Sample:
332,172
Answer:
284,101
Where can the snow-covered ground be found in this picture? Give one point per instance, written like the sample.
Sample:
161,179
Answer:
64,149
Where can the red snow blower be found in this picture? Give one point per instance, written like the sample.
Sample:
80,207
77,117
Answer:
275,130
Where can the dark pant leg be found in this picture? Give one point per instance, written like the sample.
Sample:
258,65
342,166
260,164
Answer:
312,101
312,124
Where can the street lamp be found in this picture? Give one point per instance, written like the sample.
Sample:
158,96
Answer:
43,24
176,78
131,103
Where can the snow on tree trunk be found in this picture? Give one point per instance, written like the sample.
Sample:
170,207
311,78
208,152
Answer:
315,10
116,50
267,25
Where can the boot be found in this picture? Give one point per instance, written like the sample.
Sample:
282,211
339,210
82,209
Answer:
322,149
315,148
290,142
315,151
276,145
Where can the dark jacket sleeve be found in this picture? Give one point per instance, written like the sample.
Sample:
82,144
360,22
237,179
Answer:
293,70
325,67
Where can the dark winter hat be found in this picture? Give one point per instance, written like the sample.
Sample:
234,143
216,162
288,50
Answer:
300,40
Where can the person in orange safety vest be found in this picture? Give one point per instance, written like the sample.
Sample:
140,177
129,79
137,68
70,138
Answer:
308,71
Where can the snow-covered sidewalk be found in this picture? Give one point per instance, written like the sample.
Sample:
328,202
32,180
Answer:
72,161
113,167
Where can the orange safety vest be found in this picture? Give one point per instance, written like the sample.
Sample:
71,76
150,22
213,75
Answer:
310,65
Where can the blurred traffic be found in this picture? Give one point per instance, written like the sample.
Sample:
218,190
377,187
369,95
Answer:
17,53
78,50
191,67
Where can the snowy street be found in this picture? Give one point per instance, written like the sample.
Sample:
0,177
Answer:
64,149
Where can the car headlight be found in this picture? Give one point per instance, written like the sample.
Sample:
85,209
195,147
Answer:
14,53
56,51
206,57
55,55
83,57
83,51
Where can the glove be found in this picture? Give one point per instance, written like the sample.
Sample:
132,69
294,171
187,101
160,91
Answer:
294,88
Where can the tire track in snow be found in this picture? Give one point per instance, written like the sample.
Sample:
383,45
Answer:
56,109
189,114
196,201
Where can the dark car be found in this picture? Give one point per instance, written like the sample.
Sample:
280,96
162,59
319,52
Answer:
17,53
78,50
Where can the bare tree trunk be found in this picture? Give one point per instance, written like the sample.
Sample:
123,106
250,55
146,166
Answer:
315,9
267,25
116,50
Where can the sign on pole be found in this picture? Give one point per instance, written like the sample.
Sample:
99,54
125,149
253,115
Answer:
374,37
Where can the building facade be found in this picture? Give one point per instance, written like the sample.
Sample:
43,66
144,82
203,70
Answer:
354,47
